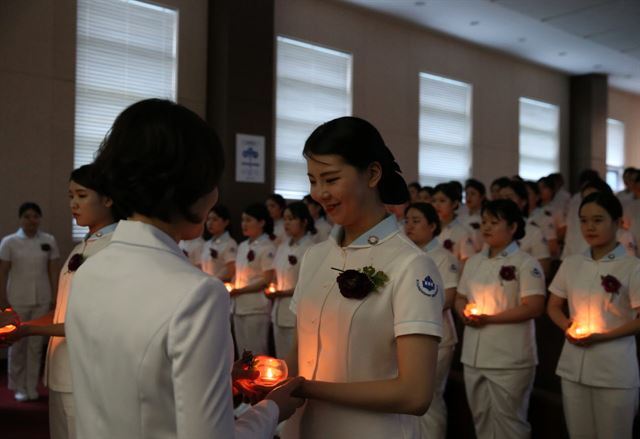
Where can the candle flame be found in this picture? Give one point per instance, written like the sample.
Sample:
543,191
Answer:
7,329
228,286
471,309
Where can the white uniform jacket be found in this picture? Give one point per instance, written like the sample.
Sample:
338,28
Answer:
252,260
503,346
351,340
217,253
287,265
57,375
150,345
579,280
29,282
458,239
193,249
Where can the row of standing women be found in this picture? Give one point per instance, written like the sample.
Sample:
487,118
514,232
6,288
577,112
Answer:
370,358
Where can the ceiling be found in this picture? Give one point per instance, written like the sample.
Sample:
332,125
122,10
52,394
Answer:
573,36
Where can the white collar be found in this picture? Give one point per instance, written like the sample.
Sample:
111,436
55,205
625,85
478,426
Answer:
145,235
379,233
617,253
100,233
508,251
432,245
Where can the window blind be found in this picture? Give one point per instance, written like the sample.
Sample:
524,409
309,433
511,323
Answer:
539,139
444,130
313,86
126,52
615,154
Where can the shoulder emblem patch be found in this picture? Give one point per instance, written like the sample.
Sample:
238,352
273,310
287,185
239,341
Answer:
427,286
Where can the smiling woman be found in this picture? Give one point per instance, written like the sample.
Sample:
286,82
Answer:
364,380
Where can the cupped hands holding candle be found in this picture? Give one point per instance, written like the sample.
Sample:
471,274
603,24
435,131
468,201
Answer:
474,316
255,376
582,335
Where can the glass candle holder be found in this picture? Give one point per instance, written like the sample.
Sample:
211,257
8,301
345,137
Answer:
272,371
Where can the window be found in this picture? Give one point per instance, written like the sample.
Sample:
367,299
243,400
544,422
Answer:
444,129
539,139
313,86
126,51
615,154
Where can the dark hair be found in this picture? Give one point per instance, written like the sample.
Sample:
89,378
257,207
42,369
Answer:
29,205
87,176
477,185
501,182
458,186
548,182
414,185
279,200
429,213
222,212
598,185
508,211
607,201
587,175
629,170
449,190
260,212
517,178
519,188
159,158
309,200
429,189
300,210
557,178
637,176
535,189
359,143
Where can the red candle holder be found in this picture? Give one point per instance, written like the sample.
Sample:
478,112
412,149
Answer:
271,372
12,327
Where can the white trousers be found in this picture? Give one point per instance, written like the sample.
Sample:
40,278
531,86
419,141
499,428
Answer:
25,355
433,424
283,339
252,333
62,420
598,412
499,401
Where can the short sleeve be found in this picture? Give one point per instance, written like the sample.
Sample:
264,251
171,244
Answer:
418,298
463,284
466,246
229,254
539,246
559,284
55,252
5,250
297,292
634,285
532,279
449,271
267,257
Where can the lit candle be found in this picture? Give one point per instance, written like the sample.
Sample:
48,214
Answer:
272,288
272,371
577,330
471,309
229,286
7,329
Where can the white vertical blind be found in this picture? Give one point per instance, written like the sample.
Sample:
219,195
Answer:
445,130
313,86
615,154
539,139
126,51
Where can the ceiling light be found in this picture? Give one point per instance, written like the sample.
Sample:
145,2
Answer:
419,3
563,53
522,40
474,23
597,66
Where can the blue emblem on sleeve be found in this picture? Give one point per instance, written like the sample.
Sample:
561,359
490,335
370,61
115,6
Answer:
536,273
427,286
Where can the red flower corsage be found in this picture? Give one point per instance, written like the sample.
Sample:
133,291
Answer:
45,247
475,226
448,244
611,285
251,256
508,272
214,253
75,262
293,260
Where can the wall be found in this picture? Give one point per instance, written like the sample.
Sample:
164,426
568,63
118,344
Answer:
388,55
625,107
37,95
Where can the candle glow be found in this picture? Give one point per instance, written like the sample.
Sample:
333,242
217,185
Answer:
228,286
8,329
577,330
272,288
471,309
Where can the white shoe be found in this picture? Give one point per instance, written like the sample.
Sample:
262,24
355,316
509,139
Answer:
34,395
21,396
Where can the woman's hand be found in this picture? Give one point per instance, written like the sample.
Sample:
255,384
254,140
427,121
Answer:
585,341
284,399
477,320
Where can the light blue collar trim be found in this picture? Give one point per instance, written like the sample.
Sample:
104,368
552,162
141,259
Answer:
375,235
23,235
259,239
616,253
508,251
433,244
103,231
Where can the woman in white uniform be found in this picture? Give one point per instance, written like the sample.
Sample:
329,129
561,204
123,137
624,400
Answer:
254,272
28,276
276,204
219,252
148,333
455,236
322,226
422,226
501,291
557,212
90,208
475,197
533,241
192,249
300,230
598,365
368,301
